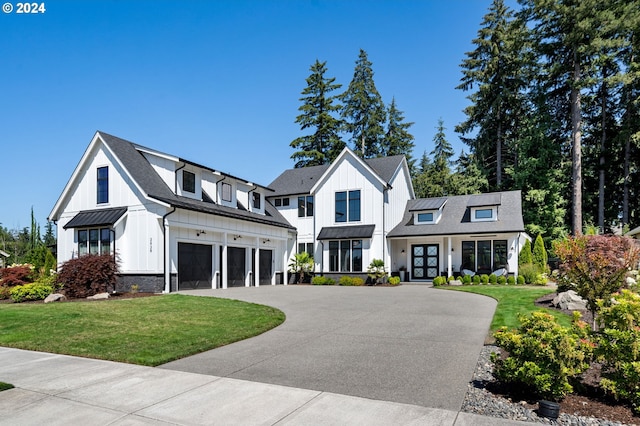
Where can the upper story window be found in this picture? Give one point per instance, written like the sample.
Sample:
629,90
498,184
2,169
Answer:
103,185
284,202
225,191
305,206
348,206
256,200
425,217
484,214
188,181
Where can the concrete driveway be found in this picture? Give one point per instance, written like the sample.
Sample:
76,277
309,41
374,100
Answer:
412,344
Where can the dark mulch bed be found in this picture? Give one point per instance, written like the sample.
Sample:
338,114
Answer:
589,400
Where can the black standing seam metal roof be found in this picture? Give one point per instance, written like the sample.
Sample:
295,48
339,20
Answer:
346,232
100,217
153,186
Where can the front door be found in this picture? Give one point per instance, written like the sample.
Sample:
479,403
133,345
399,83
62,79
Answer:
424,261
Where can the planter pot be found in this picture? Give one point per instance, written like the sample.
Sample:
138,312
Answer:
403,275
548,409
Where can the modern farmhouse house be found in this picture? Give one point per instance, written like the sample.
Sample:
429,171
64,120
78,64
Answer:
176,224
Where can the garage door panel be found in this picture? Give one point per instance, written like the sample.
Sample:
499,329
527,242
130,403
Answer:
195,265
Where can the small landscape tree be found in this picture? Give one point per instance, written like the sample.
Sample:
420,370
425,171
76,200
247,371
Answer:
301,264
525,257
540,257
596,265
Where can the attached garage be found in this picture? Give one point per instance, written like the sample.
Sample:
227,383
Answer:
195,265
236,266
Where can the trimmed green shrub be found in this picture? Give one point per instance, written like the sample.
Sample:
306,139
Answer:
544,356
394,281
438,281
502,280
521,280
617,348
450,279
466,280
484,279
476,279
33,291
530,273
321,280
88,275
493,279
346,280
540,257
526,256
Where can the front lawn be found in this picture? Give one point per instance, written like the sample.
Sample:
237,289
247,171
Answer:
513,301
147,331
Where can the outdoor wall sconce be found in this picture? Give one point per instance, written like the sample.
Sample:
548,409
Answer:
235,237
266,241
200,232
402,251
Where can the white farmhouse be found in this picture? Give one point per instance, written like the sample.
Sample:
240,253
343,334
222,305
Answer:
175,224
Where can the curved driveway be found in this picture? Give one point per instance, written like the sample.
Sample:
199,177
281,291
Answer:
411,344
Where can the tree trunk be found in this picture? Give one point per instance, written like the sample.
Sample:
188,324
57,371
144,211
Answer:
603,147
576,136
499,153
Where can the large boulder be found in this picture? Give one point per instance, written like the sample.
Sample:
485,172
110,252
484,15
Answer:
55,297
569,300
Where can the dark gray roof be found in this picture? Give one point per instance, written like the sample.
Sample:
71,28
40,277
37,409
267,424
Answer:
485,200
346,232
152,184
99,217
456,217
428,203
300,181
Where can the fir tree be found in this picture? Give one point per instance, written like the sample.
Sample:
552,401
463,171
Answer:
363,111
398,140
318,107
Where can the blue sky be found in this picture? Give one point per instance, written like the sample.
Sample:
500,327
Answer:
215,82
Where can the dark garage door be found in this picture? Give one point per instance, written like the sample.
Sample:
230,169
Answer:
194,266
236,266
265,267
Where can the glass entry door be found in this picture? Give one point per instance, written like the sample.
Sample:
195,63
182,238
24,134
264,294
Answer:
424,261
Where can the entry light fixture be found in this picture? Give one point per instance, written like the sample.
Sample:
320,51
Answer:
201,232
235,237
266,241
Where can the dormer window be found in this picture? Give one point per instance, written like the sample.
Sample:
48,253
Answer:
256,200
484,207
225,191
188,181
425,217
484,214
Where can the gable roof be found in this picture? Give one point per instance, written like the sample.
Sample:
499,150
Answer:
456,217
144,176
302,180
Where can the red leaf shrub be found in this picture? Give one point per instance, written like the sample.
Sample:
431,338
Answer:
15,275
88,275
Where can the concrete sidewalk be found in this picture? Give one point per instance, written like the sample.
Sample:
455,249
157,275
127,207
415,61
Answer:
64,390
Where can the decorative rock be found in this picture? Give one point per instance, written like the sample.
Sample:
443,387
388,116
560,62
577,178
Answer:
99,296
455,282
569,300
55,297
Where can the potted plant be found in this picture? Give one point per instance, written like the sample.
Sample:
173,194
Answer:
376,271
403,273
301,264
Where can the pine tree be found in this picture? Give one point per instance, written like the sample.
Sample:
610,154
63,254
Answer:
539,254
398,140
526,257
324,145
363,111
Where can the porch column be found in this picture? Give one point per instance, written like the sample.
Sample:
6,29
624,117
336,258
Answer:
223,267
449,269
256,260
285,258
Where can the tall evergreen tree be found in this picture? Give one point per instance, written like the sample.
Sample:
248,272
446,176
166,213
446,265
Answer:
495,69
317,110
363,111
398,140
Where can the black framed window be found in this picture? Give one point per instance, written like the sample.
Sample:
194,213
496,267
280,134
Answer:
103,185
256,200
484,256
188,181
305,247
345,256
469,255
499,254
347,206
278,202
285,202
94,241
225,191
305,206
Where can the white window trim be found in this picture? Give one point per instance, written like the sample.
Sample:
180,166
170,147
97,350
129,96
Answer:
494,214
437,214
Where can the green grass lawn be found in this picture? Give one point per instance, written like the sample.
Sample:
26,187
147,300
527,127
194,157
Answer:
5,386
147,331
513,301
